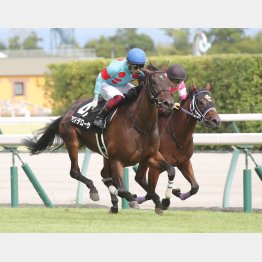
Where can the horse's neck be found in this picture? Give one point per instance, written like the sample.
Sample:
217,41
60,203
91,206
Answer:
145,113
184,124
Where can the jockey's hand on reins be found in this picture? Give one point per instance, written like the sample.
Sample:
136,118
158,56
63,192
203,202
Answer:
176,106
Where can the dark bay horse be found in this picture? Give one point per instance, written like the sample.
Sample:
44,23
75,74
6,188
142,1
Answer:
176,132
131,137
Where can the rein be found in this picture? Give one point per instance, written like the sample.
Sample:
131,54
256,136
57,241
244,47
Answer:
153,98
138,128
194,110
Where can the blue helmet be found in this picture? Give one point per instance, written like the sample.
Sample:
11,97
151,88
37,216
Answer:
136,56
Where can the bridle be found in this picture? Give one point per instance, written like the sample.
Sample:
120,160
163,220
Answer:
151,92
154,100
195,111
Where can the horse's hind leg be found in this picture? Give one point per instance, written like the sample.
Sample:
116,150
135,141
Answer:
187,171
72,144
107,180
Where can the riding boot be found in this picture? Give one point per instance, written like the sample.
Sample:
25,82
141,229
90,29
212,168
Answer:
100,118
109,106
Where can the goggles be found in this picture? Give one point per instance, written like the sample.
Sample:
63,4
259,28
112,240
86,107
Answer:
176,81
138,66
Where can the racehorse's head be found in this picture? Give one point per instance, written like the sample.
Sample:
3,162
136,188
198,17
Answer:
203,107
157,87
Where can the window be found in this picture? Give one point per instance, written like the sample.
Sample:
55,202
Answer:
19,89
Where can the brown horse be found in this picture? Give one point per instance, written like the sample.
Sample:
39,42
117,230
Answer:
176,146
131,137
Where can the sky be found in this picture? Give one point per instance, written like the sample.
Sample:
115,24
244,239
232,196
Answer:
84,35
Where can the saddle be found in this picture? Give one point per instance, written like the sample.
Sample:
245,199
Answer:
84,116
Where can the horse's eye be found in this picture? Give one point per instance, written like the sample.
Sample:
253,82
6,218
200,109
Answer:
201,102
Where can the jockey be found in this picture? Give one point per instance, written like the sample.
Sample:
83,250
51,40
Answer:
176,74
114,81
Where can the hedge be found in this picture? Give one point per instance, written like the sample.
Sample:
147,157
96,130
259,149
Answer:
236,82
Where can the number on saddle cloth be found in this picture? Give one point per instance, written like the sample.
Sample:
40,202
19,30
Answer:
84,116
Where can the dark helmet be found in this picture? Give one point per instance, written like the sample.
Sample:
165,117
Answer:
136,56
176,72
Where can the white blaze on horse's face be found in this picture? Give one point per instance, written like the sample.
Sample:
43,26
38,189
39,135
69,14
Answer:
208,98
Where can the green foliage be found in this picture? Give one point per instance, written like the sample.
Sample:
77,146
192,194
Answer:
181,45
68,82
236,82
119,44
31,42
14,43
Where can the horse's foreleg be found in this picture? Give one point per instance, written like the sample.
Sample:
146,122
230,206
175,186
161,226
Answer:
140,178
187,171
162,165
117,170
107,180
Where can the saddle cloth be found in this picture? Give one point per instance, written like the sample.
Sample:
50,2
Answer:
84,117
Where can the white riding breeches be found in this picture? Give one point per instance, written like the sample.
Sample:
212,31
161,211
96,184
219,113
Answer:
108,91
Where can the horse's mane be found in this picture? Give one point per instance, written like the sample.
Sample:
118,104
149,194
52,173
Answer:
154,68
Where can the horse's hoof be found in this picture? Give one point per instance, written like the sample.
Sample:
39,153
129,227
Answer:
165,203
140,200
94,196
134,204
176,192
113,210
159,211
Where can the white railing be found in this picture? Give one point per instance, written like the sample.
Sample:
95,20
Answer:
199,139
48,119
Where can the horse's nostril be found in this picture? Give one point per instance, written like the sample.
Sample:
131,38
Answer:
216,122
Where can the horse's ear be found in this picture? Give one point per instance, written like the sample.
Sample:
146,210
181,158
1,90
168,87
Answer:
164,67
208,86
146,71
194,87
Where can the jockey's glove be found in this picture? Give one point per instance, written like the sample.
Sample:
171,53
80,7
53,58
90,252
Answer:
94,103
176,106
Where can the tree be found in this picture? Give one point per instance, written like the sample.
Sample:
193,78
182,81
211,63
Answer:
119,44
181,44
229,35
31,42
129,38
104,47
233,40
14,43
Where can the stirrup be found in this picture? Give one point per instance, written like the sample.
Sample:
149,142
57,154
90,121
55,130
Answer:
100,122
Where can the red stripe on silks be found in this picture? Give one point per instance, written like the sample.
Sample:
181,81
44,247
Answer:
134,76
112,103
105,74
120,59
172,90
114,82
118,80
122,74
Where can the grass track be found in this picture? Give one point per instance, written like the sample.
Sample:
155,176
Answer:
89,220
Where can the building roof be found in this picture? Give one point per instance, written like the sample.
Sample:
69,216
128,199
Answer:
30,65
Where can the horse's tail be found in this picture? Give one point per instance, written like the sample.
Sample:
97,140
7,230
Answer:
44,138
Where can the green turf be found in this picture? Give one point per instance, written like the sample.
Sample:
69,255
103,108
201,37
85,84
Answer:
88,220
